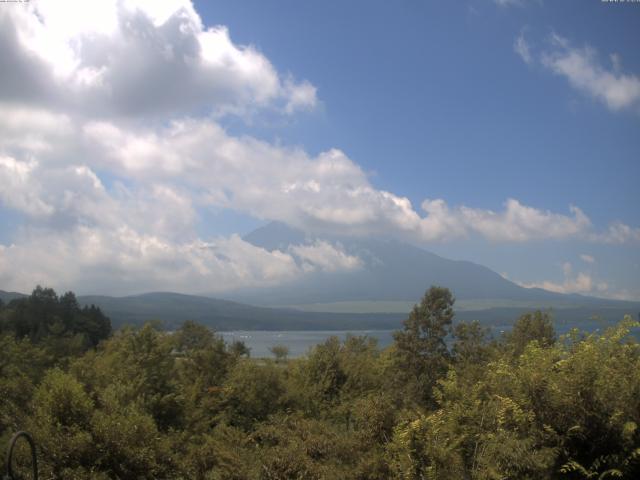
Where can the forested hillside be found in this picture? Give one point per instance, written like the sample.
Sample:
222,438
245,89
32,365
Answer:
444,401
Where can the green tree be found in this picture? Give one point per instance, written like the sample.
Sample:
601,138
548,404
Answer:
529,327
61,423
421,354
280,352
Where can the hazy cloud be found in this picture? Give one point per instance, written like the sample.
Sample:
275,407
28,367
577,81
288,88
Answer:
521,47
617,233
587,258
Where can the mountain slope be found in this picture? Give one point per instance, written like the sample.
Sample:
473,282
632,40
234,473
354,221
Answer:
393,271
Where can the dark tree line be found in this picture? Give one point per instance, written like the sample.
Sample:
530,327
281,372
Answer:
43,314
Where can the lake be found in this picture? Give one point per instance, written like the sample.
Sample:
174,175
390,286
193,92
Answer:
298,342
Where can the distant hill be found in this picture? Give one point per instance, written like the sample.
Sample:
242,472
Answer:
6,297
173,308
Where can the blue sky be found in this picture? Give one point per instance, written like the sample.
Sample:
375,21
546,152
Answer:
346,110
432,98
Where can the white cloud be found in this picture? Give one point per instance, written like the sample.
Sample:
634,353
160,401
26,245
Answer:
509,3
326,193
587,258
584,72
126,239
18,189
522,223
617,233
136,58
582,283
326,257
124,261
329,192
522,48
32,130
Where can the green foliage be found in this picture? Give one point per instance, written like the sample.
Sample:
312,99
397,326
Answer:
61,423
144,404
22,365
251,393
292,447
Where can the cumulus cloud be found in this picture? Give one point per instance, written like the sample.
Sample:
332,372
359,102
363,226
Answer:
581,67
126,239
136,58
123,239
125,261
522,223
328,192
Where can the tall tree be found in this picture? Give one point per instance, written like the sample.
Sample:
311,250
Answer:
421,353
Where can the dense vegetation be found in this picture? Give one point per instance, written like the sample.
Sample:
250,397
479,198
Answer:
444,401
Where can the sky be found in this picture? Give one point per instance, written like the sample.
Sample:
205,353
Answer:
140,140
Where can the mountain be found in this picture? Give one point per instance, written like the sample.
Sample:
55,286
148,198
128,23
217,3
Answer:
397,272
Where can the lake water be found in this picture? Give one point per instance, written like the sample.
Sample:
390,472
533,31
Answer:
298,342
